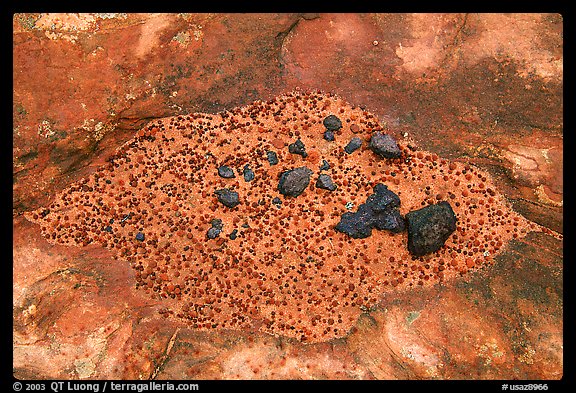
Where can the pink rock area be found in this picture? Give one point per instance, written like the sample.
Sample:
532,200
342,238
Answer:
483,90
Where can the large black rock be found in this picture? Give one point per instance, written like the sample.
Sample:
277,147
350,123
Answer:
380,211
430,227
294,182
384,145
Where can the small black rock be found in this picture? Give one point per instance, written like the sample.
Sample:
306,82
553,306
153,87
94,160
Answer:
332,123
272,157
248,173
140,236
430,227
277,201
216,223
233,235
227,197
298,148
213,233
108,229
353,145
325,182
294,182
225,172
325,165
384,145
329,136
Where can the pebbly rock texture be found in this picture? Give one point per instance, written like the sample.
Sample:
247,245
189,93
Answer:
430,227
225,172
332,123
294,182
85,83
353,145
228,197
384,145
380,211
298,148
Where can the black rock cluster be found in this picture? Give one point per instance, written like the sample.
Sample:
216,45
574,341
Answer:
428,228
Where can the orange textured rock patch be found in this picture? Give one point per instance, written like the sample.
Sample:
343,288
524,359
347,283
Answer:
288,272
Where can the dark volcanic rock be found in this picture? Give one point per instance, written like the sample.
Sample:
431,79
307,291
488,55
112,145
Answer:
140,236
430,227
248,173
353,145
298,148
332,123
272,157
227,197
380,211
329,136
324,181
384,145
225,172
233,235
294,182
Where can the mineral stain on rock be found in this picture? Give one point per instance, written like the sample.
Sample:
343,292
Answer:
295,262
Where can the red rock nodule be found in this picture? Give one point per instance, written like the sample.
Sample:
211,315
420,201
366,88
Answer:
234,252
